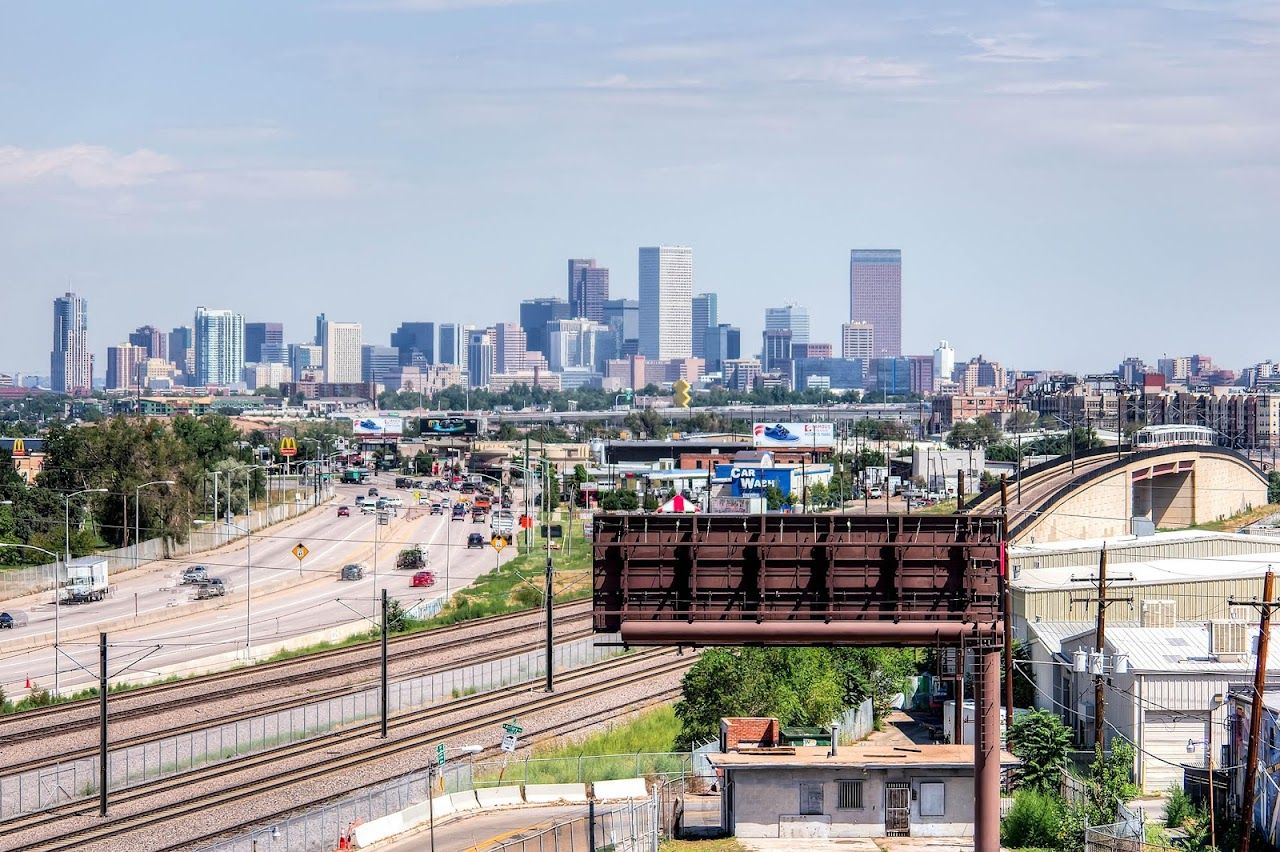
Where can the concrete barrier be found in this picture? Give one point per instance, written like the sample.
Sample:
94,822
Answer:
415,816
550,794
465,801
378,830
623,788
499,797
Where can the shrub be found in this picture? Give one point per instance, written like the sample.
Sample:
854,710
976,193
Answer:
1178,809
1035,820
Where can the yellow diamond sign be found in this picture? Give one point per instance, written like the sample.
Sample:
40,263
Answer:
497,543
300,551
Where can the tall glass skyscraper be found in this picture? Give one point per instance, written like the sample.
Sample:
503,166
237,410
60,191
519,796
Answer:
70,362
415,343
453,348
588,289
706,314
793,318
666,297
875,296
219,342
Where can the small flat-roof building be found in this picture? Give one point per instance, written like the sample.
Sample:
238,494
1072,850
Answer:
874,788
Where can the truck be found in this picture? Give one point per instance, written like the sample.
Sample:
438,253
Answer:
412,559
85,580
354,476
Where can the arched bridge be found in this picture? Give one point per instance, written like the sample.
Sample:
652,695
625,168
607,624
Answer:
1098,494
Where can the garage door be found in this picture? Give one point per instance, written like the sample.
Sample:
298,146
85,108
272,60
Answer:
1165,737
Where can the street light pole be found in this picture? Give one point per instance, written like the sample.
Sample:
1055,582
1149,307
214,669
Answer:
248,585
56,574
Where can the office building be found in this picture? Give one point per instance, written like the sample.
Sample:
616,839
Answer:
481,357
152,340
415,344
182,349
259,334
264,375
623,318
1132,370
573,344
341,344
706,314
512,346
588,290
219,347
377,362
273,353
535,314
811,350
839,374
452,346
1174,369
944,363
122,366
666,302
857,340
306,362
320,321
793,318
70,362
875,296
922,378
720,344
891,376
775,354
740,374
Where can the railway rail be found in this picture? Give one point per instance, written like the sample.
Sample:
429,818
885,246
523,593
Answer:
579,685
150,700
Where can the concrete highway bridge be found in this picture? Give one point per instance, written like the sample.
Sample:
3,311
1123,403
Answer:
1097,494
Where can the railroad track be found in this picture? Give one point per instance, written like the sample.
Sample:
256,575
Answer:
322,664
209,722
588,685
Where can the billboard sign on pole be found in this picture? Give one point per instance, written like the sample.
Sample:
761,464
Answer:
378,426
798,435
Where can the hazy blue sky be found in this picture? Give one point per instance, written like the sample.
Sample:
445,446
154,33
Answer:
1068,182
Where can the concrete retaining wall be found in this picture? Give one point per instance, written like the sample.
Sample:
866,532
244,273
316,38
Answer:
550,794
620,790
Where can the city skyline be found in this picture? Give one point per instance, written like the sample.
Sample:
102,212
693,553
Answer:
1019,156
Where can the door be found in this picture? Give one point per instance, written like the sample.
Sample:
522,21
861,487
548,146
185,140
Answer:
897,809
1165,738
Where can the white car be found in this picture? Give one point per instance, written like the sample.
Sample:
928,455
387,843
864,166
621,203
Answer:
395,501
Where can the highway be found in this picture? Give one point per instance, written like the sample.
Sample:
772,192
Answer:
288,600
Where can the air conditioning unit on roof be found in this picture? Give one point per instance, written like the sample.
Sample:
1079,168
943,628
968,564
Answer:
1228,640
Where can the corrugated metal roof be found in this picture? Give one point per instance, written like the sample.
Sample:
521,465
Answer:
1051,633
1184,648
1151,571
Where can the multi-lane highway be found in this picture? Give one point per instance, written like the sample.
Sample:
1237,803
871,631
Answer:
154,621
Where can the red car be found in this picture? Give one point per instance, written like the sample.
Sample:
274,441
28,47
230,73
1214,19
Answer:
344,512
423,578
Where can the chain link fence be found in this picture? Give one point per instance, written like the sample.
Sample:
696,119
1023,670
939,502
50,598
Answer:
633,827
583,768
1120,837
40,789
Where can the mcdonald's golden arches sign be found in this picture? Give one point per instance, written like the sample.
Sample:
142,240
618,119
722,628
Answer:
288,447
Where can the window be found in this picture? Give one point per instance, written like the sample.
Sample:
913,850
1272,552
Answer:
811,800
932,802
850,795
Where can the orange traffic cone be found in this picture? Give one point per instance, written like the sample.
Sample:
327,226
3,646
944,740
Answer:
28,681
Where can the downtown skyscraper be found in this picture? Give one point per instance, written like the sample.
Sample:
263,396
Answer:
666,302
70,362
219,345
875,296
588,289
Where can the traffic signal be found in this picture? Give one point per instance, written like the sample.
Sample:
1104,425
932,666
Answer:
680,393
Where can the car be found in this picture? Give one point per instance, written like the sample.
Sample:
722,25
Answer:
475,540
459,512
373,492
14,618
367,509
194,574
437,509
344,511
423,578
214,587
477,516
394,501
353,571
359,499
874,492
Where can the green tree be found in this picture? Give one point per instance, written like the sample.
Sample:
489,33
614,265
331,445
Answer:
1273,487
1041,740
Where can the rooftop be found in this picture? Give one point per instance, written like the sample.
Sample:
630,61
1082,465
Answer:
1148,572
863,755
1172,650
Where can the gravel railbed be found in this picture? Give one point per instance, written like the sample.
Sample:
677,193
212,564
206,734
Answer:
240,692
573,716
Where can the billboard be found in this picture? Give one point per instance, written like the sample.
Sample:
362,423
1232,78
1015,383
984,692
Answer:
449,426
377,426
771,435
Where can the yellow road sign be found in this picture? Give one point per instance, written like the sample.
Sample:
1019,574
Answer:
300,551
498,542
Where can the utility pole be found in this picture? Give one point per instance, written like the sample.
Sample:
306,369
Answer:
385,692
1255,710
102,724
549,594
1103,600
1008,606
959,490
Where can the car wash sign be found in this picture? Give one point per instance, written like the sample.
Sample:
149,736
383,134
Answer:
747,481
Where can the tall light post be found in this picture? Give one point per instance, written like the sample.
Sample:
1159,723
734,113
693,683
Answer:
57,598
248,584
137,515
56,591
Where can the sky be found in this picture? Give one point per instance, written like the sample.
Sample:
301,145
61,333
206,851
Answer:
1069,183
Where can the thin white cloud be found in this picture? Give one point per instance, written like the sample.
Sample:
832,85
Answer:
83,166
97,171
858,71
1047,87
1014,48
687,51
627,83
